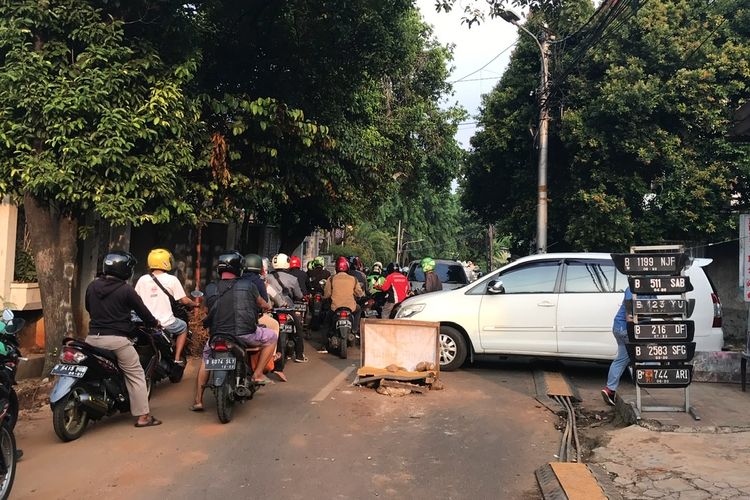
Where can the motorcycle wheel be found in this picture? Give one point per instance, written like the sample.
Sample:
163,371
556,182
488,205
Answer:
176,375
343,346
281,351
68,418
13,409
7,461
225,401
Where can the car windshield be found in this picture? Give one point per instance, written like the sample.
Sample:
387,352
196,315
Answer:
448,273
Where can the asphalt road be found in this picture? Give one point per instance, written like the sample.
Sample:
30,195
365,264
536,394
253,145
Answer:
313,437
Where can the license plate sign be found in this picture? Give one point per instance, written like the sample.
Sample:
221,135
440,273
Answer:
286,328
666,307
665,285
662,330
76,371
221,363
300,307
663,377
662,352
637,264
343,323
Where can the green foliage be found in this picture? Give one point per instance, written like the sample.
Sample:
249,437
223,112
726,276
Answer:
24,270
638,139
89,121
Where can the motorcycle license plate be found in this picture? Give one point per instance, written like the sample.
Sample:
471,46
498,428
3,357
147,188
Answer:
76,371
220,363
287,328
300,307
343,323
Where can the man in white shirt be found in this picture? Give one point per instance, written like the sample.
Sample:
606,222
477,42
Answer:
155,290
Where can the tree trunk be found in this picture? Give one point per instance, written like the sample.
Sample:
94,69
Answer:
54,242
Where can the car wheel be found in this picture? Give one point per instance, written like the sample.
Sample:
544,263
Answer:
452,349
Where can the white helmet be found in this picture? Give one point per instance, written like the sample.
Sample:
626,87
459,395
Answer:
280,261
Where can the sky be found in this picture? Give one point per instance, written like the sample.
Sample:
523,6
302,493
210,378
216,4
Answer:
473,49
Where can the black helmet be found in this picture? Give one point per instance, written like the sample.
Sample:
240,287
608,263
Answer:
392,268
356,263
253,263
230,262
119,265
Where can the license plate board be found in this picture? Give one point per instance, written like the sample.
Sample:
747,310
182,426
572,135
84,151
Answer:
668,307
662,330
286,328
76,371
300,307
655,285
662,352
679,376
228,363
343,323
639,264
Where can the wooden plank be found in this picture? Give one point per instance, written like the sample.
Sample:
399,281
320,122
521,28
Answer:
577,481
403,385
557,385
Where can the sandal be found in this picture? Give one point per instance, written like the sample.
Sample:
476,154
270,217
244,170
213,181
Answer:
196,407
281,376
263,381
151,422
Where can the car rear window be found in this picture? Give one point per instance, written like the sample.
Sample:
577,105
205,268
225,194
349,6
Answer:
448,273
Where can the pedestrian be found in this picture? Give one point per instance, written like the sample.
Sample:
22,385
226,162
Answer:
620,332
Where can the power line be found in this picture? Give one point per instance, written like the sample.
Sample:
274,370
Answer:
487,64
479,79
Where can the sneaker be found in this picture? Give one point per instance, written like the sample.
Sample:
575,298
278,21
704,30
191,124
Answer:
609,396
303,359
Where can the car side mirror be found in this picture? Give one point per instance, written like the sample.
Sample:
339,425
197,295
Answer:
495,287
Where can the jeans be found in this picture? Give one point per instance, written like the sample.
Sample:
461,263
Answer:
299,343
620,362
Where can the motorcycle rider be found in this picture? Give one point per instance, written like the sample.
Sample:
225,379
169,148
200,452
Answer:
397,287
252,271
289,286
356,269
375,277
343,289
109,301
158,289
432,282
233,306
317,274
295,270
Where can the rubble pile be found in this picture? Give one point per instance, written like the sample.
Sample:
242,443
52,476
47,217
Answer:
396,381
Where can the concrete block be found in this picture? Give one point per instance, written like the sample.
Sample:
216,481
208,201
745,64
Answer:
721,366
32,368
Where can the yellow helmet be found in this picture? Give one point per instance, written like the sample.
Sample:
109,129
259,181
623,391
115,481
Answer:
159,258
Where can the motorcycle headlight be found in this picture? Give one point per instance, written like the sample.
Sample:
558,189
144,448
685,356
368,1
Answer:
409,310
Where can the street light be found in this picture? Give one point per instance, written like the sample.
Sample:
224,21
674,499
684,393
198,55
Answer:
541,217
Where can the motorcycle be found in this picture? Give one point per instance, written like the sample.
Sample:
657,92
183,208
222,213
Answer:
91,384
285,344
316,307
8,452
229,374
9,359
300,311
341,336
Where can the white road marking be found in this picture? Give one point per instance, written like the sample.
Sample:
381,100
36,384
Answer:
330,386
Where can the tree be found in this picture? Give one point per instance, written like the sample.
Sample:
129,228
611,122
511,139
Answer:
88,124
638,139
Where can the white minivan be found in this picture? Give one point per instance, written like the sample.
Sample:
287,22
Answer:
551,305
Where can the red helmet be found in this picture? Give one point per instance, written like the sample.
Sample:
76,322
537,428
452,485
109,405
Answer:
295,262
342,265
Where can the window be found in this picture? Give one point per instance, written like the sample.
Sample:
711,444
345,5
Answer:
590,276
448,273
538,277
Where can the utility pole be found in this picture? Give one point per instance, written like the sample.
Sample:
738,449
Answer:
491,236
398,241
541,207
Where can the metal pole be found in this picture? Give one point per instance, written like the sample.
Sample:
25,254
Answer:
398,240
541,219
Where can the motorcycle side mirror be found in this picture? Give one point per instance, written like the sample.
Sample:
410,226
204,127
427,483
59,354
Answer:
196,294
495,287
8,315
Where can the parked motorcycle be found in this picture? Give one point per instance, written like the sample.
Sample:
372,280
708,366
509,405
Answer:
10,356
341,335
8,451
285,344
91,384
230,377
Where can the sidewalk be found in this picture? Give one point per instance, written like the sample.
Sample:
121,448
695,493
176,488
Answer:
669,454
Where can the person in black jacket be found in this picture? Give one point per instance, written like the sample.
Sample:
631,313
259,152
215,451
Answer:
109,301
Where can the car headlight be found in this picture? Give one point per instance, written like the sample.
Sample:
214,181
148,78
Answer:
409,310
